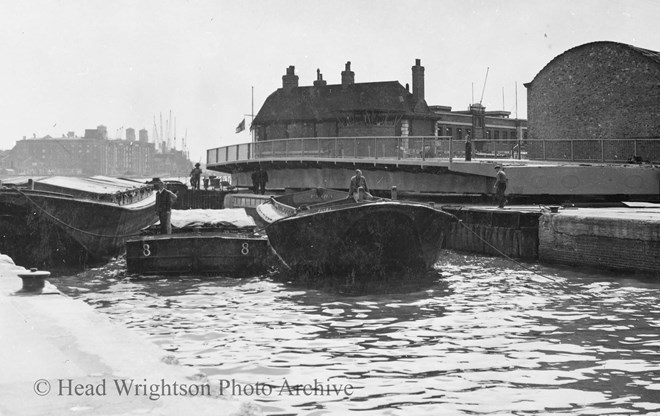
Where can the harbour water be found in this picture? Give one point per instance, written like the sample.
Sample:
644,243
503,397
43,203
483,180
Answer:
482,337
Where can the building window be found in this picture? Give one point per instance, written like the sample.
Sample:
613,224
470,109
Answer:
504,135
497,134
513,135
459,133
450,131
487,134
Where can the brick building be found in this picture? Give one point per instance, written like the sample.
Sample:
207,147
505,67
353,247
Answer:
490,131
596,101
376,109
345,110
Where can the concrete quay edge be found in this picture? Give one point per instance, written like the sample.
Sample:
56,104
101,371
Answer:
51,337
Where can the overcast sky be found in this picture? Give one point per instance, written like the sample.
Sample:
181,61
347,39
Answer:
68,65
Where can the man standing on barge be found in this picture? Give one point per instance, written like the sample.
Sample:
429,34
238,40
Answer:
165,199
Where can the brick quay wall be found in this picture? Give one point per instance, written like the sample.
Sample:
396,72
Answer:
625,239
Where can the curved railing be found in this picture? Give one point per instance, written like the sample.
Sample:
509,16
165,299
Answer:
429,148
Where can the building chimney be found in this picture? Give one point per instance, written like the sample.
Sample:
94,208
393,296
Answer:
319,79
418,81
290,80
347,76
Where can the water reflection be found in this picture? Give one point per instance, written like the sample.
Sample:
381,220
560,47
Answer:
484,337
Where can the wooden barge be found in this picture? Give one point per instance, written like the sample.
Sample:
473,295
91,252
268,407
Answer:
205,242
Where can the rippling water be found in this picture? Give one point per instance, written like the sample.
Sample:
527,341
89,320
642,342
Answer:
483,337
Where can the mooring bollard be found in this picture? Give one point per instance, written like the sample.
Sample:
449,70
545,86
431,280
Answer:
394,193
33,281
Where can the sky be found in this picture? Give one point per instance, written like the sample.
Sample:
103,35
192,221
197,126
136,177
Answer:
71,65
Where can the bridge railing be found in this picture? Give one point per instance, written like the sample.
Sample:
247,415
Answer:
423,148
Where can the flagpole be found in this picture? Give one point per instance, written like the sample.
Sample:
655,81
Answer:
251,115
252,118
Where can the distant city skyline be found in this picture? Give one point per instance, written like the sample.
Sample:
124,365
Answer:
71,65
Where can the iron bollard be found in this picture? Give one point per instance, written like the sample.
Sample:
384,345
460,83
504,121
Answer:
394,193
33,281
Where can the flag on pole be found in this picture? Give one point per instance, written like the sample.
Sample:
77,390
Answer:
241,126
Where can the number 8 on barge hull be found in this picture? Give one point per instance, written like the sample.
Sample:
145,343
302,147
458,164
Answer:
205,242
221,254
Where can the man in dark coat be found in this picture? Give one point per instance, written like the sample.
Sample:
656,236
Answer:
165,199
255,181
263,179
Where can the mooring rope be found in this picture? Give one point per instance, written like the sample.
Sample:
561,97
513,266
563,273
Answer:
519,264
70,226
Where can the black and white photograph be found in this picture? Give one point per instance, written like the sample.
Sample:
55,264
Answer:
329,207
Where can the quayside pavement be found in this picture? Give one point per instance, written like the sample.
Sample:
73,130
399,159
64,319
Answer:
61,357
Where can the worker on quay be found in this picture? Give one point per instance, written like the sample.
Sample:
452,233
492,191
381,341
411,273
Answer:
195,175
500,186
358,189
263,179
255,181
165,199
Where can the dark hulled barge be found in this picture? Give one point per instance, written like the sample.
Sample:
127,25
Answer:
69,221
323,232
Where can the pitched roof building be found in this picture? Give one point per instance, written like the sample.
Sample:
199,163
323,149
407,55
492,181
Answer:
345,110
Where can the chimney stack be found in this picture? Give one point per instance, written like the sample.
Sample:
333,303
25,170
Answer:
319,79
347,76
418,81
290,80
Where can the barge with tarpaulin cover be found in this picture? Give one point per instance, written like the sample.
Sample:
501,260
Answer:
203,241
322,232
61,220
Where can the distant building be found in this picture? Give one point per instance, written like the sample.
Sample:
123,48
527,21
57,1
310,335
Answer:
489,130
172,163
596,91
94,154
99,133
130,134
81,156
144,135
